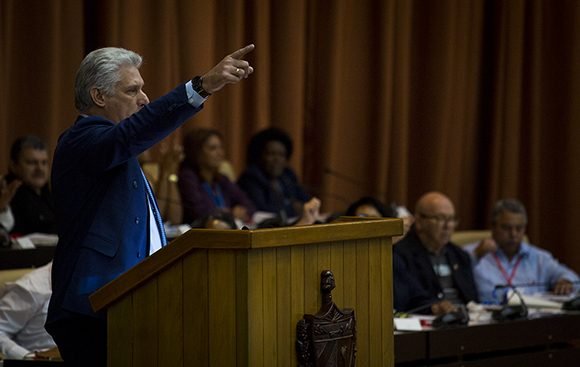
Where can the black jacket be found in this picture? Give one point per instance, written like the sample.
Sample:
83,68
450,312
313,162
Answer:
416,260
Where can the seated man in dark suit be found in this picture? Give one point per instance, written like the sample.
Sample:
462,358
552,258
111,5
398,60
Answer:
409,295
31,205
440,267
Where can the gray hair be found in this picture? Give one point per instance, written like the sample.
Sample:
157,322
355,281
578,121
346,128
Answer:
25,142
100,69
508,205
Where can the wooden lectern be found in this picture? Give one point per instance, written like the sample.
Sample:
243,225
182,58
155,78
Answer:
233,297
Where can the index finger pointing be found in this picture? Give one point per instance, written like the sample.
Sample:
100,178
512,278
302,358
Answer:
242,51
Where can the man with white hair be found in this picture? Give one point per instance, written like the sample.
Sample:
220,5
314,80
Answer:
441,268
108,219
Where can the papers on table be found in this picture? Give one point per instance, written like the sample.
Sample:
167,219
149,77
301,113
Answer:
35,239
539,300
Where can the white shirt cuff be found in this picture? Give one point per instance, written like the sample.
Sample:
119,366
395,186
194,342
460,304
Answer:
193,97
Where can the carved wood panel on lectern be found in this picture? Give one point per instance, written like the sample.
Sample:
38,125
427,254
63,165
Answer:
328,338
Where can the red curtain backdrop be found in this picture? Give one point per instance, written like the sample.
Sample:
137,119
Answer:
478,99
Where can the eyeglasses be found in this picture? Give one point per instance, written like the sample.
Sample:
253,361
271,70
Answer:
441,219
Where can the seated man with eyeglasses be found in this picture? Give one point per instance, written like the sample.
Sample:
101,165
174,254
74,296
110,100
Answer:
507,260
443,269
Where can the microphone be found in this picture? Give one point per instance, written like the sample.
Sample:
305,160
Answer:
529,285
453,318
572,304
422,307
508,312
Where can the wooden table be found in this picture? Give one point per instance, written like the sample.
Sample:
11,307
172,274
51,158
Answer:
545,341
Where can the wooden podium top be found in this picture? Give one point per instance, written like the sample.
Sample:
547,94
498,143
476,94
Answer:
345,229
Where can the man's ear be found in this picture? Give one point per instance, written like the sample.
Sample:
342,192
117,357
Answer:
97,97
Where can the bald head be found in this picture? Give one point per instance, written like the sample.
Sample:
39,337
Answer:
433,200
435,220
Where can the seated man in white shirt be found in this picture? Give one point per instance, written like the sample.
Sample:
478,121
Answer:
23,308
507,260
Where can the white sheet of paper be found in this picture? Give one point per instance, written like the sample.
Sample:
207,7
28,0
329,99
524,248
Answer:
407,324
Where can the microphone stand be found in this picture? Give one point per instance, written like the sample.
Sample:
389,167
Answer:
514,312
453,318
573,304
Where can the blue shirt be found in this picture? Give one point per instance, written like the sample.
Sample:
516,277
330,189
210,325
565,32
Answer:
530,266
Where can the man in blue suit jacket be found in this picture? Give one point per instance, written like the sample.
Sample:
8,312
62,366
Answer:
108,220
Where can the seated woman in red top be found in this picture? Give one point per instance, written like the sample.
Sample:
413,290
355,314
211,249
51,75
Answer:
204,191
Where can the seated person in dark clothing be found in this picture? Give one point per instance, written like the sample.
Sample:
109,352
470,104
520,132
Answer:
269,182
369,206
440,267
204,191
31,205
409,296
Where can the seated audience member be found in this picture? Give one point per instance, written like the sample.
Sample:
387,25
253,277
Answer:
31,204
269,182
441,268
369,206
23,309
506,259
408,219
204,191
409,296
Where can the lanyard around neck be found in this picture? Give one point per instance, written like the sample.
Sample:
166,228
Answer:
215,195
504,272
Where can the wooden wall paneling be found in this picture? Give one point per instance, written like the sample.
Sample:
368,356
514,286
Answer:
242,326
222,307
336,265
375,312
255,309
170,301
388,344
120,334
311,280
195,313
297,288
270,310
145,311
350,275
362,303
323,259
284,337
